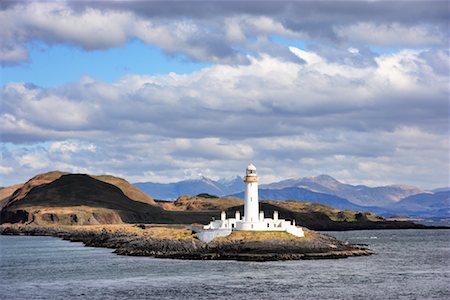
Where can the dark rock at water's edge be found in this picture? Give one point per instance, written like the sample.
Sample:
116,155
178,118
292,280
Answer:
129,241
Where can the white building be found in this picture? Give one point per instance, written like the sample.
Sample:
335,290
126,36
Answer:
253,218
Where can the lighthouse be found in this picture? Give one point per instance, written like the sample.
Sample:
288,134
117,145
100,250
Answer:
253,219
251,202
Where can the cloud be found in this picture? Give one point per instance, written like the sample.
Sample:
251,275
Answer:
34,161
334,106
392,34
219,32
292,118
92,29
353,157
211,148
13,54
71,147
6,170
268,97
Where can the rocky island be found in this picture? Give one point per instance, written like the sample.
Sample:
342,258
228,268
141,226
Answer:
176,241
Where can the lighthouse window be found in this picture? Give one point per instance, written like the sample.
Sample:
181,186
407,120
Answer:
268,225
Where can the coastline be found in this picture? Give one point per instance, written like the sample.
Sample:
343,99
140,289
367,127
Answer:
180,243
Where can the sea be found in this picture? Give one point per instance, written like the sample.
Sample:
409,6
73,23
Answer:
408,264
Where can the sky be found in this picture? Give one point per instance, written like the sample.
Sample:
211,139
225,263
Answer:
167,91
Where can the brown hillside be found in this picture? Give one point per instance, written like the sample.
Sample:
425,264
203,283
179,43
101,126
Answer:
195,203
22,190
81,199
127,188
106,202
6,192
321,217
333,213
37,180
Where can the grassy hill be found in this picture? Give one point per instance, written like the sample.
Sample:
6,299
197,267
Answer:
199,203
6,192
82,199
23,189
127,188
99,201
19,191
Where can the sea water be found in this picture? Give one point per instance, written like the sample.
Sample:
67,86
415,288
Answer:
409,264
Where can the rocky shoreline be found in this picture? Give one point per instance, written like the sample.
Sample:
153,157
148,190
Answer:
180,243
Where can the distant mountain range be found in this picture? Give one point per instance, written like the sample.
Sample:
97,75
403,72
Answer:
295,193
391,200
358,194
443,189
425,205
192,187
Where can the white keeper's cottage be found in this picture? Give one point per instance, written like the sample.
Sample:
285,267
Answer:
253,218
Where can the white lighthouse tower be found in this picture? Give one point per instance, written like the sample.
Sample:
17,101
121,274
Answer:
253,219
251,202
